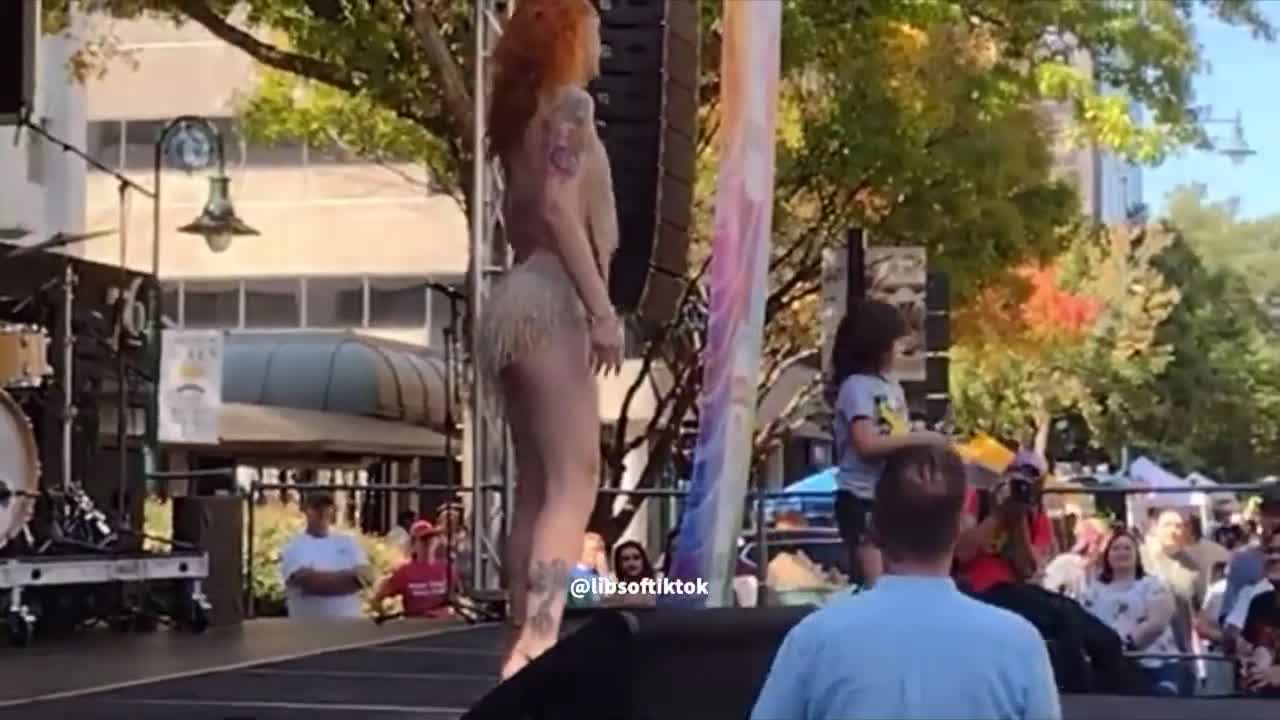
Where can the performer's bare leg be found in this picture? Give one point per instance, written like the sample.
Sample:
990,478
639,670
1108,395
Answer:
530,495
559,411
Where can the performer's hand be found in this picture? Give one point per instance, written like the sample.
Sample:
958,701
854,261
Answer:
606,344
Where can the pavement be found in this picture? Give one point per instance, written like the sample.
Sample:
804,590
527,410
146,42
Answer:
434,674
265,671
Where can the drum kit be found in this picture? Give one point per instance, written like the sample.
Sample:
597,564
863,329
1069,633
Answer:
36,520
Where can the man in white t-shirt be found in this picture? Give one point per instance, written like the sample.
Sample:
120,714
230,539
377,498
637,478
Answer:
323,571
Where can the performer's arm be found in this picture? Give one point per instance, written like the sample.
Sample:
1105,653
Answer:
603,215
568,133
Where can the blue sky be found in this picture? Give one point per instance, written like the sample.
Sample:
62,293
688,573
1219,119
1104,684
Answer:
1244,76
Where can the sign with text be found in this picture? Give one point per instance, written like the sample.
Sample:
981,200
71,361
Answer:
190,387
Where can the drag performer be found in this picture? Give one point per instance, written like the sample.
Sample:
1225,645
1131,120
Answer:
549,326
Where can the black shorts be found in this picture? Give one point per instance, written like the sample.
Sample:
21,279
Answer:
853,517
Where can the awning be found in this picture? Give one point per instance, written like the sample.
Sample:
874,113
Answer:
341,373
329,393
262,430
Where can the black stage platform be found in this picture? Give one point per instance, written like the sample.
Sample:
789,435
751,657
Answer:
429,678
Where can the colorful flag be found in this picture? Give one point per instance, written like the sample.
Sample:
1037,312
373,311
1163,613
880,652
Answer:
712,522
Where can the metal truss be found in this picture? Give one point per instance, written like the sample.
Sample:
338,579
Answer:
490,463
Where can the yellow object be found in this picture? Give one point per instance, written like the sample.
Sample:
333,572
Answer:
986,451
894,421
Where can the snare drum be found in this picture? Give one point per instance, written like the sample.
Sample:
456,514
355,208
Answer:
24,356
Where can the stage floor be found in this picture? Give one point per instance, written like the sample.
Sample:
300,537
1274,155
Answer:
399,671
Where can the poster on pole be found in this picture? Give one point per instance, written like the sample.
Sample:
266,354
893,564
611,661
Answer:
835,293
707,543
190,387
899,276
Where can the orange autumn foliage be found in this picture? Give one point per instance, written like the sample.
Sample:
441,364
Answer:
1049,308
1030,308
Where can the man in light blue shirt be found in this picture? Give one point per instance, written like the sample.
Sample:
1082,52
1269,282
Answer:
913,646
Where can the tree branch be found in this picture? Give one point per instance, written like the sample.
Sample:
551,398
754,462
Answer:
265,53
453,86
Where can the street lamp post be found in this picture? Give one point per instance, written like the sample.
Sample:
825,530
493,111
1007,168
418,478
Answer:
1235,148
194,144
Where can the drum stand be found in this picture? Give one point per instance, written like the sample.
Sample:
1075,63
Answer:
69,409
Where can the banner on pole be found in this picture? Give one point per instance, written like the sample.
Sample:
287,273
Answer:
707,543
190,387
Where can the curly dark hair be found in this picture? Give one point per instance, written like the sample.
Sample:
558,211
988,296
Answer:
864,339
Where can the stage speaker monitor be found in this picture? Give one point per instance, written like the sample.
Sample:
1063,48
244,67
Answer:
215,524
649,665
646,105
19,29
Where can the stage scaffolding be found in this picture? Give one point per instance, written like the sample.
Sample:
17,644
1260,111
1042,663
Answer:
486,444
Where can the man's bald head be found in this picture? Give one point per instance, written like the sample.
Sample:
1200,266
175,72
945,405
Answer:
918,505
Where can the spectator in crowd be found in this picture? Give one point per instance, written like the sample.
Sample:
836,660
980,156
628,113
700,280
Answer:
451,521
323,571
1204,551
1138,607
1230,536
423,583
1246,570
1165,556
912,646
1215,674
399,535
1071,572
870,421
593,564
1007,537
1260,644
631,565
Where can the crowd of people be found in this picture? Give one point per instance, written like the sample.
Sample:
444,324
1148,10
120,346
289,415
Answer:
1016,606
1012,612
325,572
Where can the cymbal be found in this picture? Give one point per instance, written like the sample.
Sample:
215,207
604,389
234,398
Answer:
59,240
13,233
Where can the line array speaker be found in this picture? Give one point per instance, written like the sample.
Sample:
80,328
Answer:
19,27
646,100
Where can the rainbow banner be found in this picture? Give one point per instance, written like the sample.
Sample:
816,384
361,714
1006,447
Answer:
707,543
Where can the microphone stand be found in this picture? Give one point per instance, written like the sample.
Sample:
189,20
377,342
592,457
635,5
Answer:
454,601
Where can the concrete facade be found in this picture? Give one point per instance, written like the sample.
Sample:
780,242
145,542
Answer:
42,188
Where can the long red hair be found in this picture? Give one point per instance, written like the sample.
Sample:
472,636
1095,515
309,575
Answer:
541,49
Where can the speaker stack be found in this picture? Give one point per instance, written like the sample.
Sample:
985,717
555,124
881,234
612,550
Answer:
646,105
18,28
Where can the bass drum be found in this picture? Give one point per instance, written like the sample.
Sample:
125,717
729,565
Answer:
19,469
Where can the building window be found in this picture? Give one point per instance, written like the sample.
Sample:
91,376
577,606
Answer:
397,303
335,302
279,154
211,304
171,304
273,303
103,141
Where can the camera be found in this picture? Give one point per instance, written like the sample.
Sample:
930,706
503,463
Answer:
1020,490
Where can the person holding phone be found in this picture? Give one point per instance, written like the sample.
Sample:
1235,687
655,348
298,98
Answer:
1008,536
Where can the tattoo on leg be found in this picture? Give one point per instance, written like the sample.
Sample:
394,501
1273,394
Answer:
546,580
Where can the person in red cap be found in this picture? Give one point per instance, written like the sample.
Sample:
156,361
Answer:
422,584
